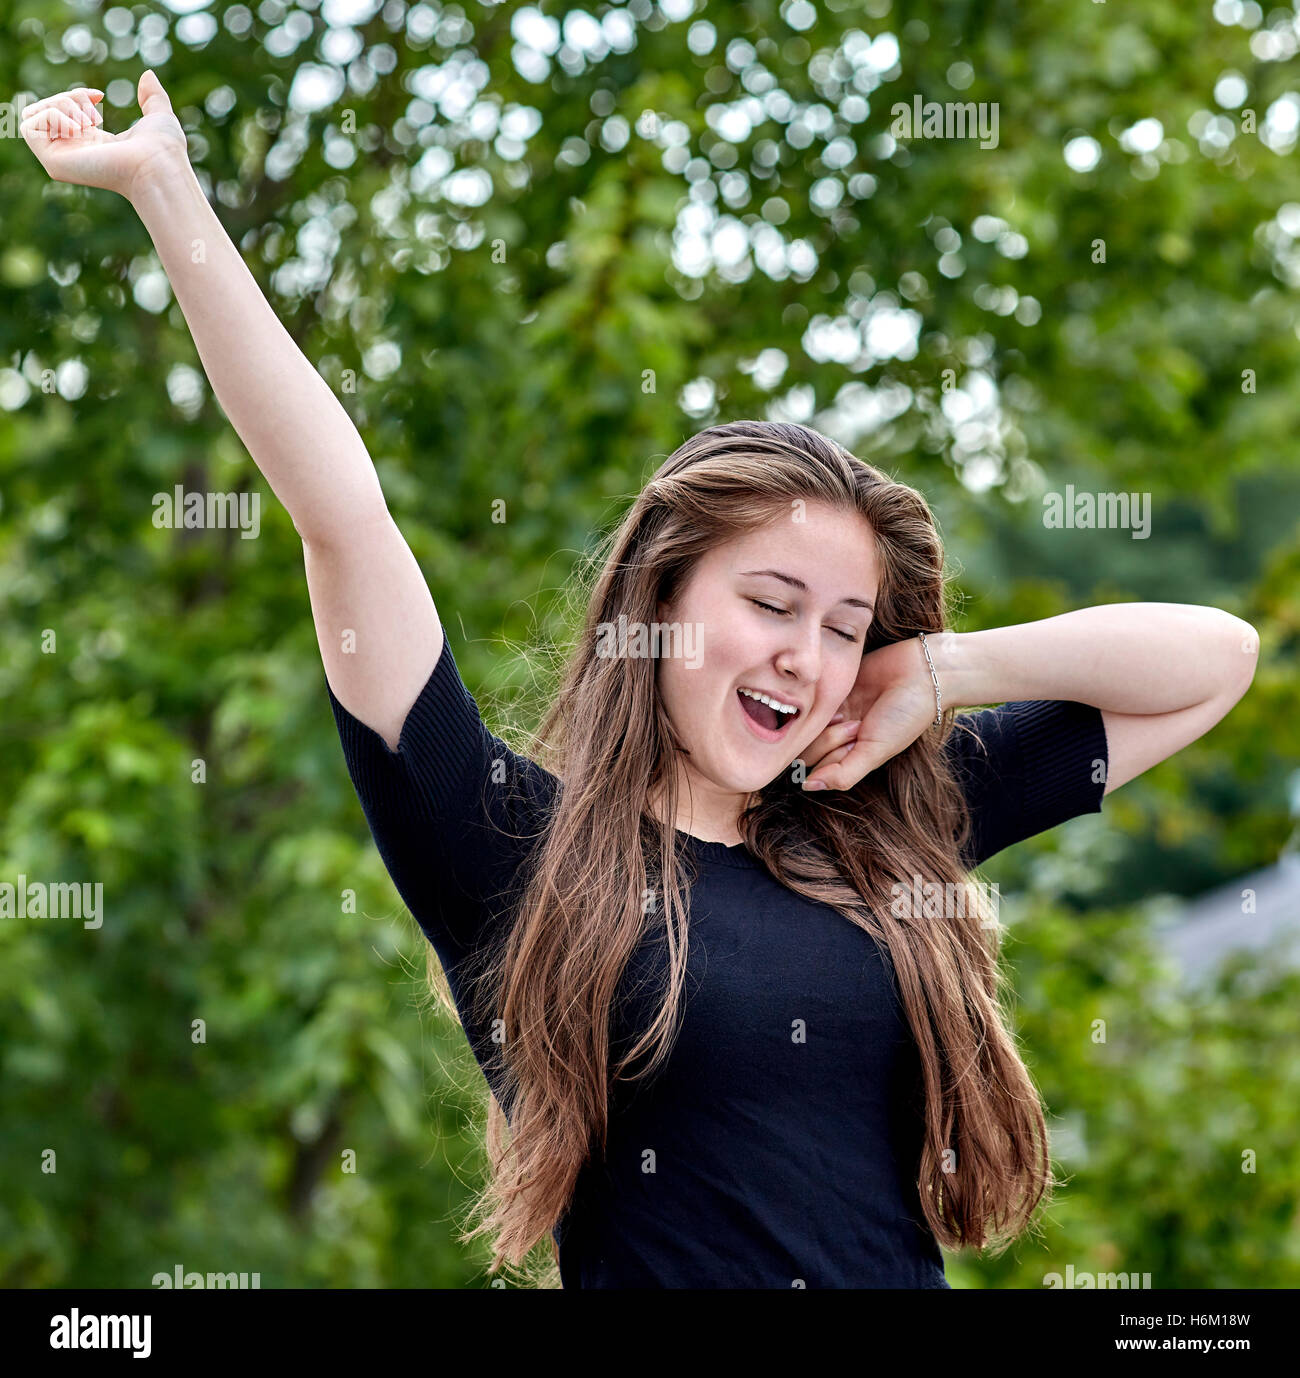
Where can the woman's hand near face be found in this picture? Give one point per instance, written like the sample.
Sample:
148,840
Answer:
889,707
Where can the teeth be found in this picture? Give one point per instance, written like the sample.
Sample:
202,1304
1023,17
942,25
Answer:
771,702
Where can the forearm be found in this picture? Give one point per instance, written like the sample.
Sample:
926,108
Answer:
293,426
1123,657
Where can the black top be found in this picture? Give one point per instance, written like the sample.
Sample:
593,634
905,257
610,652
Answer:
779,1145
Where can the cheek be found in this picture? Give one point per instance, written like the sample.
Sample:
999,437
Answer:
728,651
677,691
730,648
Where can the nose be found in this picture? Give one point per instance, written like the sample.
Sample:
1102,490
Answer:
800,662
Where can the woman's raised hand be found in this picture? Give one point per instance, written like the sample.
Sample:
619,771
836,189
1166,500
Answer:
66,132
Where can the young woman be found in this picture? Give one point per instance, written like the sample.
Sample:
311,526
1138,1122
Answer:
738,1032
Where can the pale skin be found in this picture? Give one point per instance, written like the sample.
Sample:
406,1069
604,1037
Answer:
361,575
1162,674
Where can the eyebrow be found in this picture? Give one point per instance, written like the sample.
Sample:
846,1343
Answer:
803,588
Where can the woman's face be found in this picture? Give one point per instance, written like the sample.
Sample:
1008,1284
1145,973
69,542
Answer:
806,654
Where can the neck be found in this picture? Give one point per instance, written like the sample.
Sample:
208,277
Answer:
726,832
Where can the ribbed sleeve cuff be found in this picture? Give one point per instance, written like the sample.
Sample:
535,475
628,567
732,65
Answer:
439,739
1063,757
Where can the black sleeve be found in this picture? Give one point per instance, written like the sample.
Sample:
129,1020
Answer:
1036,763
453,811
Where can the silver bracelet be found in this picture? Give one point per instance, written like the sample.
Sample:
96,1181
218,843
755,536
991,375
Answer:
938,700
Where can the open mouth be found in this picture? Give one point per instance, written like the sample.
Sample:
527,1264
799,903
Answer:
763,720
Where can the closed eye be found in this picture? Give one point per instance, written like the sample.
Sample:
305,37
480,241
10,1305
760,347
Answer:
785,612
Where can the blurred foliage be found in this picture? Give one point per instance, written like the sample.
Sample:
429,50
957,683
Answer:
534,249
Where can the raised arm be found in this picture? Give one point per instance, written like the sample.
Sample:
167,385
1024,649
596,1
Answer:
376,623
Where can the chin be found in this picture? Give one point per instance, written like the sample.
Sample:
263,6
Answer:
753,783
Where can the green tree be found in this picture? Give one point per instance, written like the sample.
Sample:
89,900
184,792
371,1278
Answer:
533,252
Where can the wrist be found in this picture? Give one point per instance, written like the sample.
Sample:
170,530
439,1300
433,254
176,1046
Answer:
948,655
162,177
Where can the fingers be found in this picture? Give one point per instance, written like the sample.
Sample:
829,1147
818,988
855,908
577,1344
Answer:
825,774
835,757
72,109
834,736
78,101
149,92
63,115
843,766
50,123
831,747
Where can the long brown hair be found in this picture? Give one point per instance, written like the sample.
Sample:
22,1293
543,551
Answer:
551,984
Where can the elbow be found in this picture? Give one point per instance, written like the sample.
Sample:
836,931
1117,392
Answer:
1241,656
